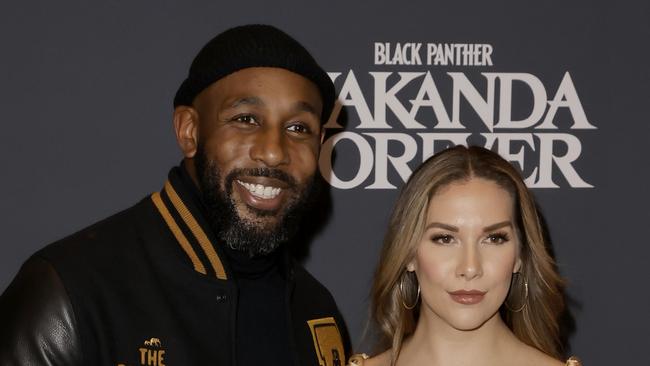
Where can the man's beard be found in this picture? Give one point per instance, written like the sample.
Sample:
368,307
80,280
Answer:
242,234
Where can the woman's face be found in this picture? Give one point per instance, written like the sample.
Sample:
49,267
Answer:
468,253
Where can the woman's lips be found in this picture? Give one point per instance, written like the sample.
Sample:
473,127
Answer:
467,297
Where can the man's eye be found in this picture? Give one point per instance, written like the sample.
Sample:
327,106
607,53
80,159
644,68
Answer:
298,128
245,118
443,239
498,238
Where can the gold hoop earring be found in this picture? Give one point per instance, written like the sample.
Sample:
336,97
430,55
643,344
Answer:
525,297
401,291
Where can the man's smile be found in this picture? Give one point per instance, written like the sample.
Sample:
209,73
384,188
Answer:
261,191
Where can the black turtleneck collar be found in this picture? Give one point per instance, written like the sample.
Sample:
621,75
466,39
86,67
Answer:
263,332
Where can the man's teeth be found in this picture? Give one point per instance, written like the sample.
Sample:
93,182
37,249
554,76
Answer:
261,191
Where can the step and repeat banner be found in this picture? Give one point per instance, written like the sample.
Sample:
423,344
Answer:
560,89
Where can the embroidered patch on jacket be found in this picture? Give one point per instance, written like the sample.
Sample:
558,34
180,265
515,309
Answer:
152,354
327,341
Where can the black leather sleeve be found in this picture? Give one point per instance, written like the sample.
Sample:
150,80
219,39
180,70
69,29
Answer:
37,325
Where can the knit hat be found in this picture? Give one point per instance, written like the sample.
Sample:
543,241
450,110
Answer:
253,46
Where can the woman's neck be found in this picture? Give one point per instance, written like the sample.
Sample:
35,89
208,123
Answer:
436,342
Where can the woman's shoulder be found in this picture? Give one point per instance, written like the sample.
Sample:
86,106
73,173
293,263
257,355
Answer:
534,356
383,359
362,359
524,354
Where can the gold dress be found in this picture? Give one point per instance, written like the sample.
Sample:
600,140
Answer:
359,359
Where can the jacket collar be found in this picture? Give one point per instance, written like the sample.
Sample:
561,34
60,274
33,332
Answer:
180,209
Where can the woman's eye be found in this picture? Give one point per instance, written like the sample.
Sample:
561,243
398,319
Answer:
442,239
498,238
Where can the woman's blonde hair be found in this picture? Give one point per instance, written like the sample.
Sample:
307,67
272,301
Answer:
394,288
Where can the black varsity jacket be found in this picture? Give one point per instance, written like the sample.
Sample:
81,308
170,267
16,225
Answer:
148,286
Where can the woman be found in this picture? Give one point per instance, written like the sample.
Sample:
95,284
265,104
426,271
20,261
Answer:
464,276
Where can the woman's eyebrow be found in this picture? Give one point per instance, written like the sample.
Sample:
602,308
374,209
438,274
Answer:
442,226
498,225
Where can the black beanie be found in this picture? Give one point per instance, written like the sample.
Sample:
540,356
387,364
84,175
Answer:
253,46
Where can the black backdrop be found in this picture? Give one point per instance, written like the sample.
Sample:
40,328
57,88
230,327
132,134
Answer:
86,91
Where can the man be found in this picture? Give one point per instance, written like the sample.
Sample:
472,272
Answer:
198,273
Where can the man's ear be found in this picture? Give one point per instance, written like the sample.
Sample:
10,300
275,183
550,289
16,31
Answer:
322,135
186,127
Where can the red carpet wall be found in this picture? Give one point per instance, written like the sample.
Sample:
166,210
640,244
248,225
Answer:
560,88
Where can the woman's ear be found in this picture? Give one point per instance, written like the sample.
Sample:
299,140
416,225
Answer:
410,267
186,126
518,265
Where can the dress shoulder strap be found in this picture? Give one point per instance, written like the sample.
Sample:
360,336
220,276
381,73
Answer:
573,361
358,360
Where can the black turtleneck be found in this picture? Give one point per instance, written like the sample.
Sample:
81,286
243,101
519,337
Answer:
263,330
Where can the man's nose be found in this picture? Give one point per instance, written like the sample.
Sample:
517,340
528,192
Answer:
469,263
270,147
